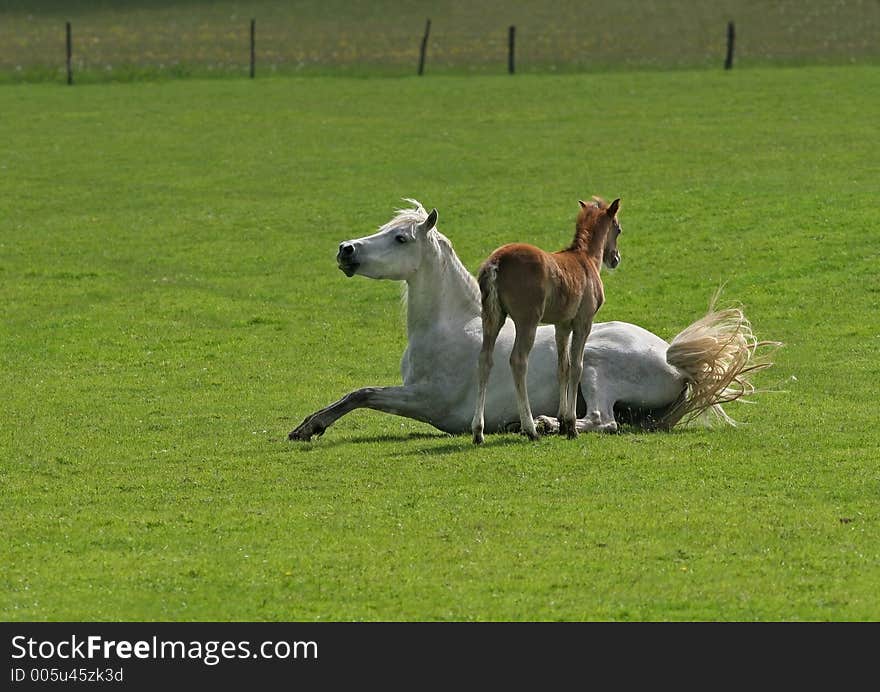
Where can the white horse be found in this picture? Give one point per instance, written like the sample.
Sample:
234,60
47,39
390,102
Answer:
630,375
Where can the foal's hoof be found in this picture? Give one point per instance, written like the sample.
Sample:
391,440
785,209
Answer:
568,428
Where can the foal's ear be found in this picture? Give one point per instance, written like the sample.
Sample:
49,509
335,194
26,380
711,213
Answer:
430,222
613,207
582,203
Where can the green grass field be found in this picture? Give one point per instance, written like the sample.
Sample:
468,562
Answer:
171,309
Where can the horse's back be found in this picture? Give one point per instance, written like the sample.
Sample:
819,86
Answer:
537,285
632,362
518,274
517,259
625,336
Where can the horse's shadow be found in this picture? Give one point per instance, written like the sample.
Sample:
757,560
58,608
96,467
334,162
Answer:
445,444
456,444
462,443
320,443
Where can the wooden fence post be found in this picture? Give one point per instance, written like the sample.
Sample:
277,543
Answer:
253,46
511,37
424,47
69,55
728,61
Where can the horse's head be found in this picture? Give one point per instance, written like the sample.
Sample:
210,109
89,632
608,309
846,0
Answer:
597,223
611,255
394,252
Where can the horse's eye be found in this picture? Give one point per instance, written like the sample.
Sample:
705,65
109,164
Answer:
401,238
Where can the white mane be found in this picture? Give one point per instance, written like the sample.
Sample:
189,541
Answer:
447,261
404,217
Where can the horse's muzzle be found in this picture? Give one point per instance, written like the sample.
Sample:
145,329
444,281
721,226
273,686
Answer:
348,269
345,259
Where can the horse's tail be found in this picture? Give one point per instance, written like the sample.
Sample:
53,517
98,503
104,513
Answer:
492,310
717,354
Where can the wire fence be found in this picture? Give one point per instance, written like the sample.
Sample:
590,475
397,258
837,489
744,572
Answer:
113,40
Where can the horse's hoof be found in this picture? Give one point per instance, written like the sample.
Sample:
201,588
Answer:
298,436
546,426
305,433
572,433
533,436
478,438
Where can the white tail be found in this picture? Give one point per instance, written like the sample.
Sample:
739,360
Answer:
718,355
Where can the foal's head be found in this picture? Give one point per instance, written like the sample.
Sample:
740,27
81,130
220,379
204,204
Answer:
394,252
597,223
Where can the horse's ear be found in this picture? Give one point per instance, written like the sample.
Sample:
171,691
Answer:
430,222
613,207
582,203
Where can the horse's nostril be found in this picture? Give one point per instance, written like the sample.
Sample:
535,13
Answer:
346,249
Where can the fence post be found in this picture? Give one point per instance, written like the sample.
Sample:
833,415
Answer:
424,47
728,61
511,37
253,46
69,55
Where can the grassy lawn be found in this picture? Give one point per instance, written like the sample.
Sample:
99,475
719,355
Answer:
171,309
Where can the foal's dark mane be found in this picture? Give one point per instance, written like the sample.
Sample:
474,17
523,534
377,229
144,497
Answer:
586,223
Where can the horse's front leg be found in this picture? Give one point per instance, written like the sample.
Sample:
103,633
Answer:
404,401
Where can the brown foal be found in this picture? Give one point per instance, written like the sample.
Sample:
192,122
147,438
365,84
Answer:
561,288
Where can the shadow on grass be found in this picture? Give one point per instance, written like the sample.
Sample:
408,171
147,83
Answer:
448,444
323,443
462,443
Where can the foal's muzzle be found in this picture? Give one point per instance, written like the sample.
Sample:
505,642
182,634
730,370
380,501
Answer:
345,258
613,261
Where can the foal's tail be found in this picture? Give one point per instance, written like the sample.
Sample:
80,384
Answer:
492,310
718,354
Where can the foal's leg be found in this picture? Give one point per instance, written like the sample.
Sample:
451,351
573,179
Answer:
492,324
519,365
563,372
580,332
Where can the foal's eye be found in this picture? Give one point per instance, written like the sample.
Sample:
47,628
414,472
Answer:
401,238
